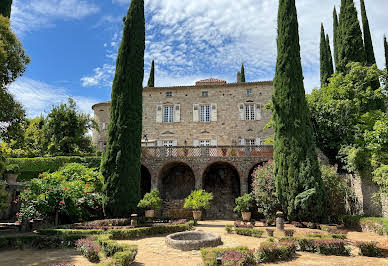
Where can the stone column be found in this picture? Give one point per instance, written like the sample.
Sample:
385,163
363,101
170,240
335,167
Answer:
155,181
243,185
198,179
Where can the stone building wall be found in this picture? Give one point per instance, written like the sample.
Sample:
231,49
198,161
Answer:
227,103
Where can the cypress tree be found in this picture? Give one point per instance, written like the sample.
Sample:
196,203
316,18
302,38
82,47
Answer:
336,36
299,184
151,79
5,8
386,51
121,165
330,70
351,48
324,59
242,73
369,52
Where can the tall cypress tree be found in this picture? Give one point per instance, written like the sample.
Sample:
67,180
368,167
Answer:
351,48
336,36
330,69
121,164
299,184
5,8
386,51
369,52
242,73
151,79
324,59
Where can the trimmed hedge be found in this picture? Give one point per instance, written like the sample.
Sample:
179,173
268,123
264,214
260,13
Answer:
248,232
209,255
376,225
122,254
31,167
38,241
67,232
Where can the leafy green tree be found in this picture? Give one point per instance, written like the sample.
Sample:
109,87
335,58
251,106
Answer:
121,164
151,80
298,178
66,130
336,110
336,36
242,73
386,51
5,8
369,52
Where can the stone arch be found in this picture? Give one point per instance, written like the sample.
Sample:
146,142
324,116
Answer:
145,181
223,180
251,170
176,180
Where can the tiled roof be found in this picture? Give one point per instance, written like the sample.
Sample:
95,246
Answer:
210,81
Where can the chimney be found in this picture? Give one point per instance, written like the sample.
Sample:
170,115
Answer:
238,77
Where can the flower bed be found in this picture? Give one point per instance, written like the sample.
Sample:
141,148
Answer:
89,249
210,255
321,245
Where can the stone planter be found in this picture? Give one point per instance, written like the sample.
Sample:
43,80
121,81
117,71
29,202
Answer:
197,215
280,223
246,216
11,178
150,213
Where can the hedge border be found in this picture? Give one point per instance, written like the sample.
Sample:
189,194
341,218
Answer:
376,225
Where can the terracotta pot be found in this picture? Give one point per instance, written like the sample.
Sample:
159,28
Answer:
11,178
246,216
150,213
197,215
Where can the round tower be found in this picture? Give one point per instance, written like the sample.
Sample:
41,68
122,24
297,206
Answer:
102,117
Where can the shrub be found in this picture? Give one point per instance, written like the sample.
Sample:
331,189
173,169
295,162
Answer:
232,257
124,258
110,222
151,201
289,232
209,255
371,224
264,190
298,224
306,244
243,231
242,225
229,228
338,236
111,248
272,253
243,203
12,169
369,249
89,249
331,247
257,233
270,232
198,199
4,198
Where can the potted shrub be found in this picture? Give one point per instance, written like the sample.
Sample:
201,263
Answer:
198,200
151,203
243,204
11,173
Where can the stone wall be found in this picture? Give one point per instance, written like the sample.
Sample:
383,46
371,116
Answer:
14,205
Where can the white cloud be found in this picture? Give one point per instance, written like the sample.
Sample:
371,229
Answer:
29,15
39,97
102,76
212,38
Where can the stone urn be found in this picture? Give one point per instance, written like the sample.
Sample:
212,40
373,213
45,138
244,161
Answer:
280,223
150,213
246,216
197,215
11,178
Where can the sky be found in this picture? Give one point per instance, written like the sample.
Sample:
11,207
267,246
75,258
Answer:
73,44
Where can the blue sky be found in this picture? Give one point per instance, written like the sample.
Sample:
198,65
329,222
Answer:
73,43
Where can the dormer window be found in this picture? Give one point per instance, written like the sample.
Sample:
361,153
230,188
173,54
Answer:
169,94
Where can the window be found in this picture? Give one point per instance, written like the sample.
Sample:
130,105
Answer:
205,94
205,113
169,94
250,112
168,143
249,92
250,142
168,116
103,126
204,143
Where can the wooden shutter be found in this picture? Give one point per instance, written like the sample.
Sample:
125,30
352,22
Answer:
196,113
175,143
177,113
195,142
258,110
213,142
159,113
159,143
241,109
258,141
213,112
242,142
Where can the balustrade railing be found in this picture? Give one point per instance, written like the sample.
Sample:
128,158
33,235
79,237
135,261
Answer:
207,151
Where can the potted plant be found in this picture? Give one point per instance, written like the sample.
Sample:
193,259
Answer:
151,203
11,173
198,200
243,204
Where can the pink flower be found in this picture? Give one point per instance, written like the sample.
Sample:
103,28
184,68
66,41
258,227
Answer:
62,202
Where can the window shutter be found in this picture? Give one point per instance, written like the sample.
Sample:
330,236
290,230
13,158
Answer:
258,141
159,143
195,143
258,111
196,113
242,142
213,142
177,113
213,112
175,143
241,109
159,114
